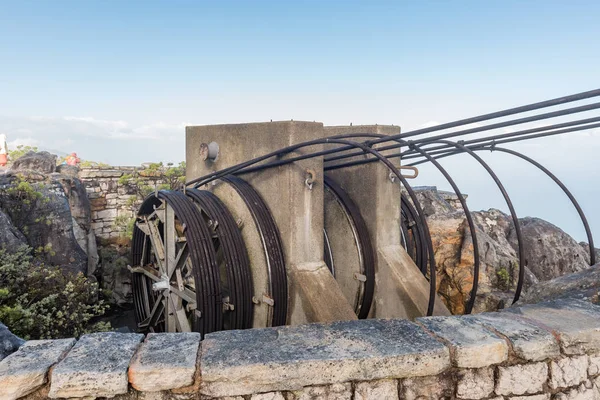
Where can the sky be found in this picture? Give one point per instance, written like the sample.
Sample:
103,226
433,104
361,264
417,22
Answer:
117,82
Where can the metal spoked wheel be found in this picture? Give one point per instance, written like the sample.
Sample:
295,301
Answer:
176,277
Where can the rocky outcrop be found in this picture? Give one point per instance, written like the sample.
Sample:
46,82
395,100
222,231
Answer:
49,212
9,343
79,205
41,211
10,236
42,161
583,285
549,251
113,275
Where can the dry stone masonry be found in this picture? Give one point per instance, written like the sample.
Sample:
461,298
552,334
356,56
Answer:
111,197
535,352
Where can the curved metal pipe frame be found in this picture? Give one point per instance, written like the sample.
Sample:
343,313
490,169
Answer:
511,208
586,226
472,228
582,216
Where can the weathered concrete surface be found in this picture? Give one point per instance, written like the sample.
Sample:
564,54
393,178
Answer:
24,371
528,341
401,289
165,361
383,389
522,379
315,286
475,383
568,371
472,345
577,323
407,283
297,210
96,366
243,362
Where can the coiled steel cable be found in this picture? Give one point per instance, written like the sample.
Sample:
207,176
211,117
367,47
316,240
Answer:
269,234
237,263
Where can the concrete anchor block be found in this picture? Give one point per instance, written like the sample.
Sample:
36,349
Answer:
95,367
25,371
165,361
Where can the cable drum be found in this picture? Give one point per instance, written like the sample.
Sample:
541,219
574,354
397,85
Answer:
170,243
272,246
339,231
237,287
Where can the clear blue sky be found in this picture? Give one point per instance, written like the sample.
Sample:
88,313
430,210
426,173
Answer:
98,77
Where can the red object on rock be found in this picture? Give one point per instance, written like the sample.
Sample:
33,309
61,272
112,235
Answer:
3,160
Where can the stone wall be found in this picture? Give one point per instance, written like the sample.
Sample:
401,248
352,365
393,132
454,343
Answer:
545,351
113,202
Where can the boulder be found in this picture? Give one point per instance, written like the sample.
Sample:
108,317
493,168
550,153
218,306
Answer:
584,285
42,161
71,171
45,220
549,251
9,343
10,237
79,204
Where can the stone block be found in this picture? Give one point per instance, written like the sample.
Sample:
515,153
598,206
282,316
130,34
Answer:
528,341
568,371
268,396
575,322
475,383
522,379
427,387
382,389
96,366
165,361
338,391
594,365
585,391
109,214
290,358
94,174
545,396
25,371
472,345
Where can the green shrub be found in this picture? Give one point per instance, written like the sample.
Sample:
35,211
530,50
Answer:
503,278
45,302
20,151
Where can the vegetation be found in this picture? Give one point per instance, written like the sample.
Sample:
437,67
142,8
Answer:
140,182
22,198
44,302
503,278
19,151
